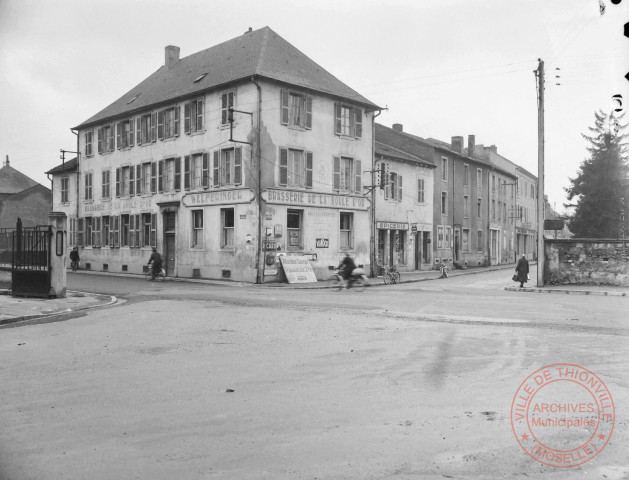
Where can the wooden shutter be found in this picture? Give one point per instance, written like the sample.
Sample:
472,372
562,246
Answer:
119,134
153,229
131,230
100,140
284,107
337,118
138,180
308,112
358,172
153,177
238,166
160,124
216,169
178,173
337,173
153,127
176,121
138,130
186,172
117,182
399,188
132,181
283,166
198,124
358,122
131,132
160,176
117,231
205,171
186,117
308,169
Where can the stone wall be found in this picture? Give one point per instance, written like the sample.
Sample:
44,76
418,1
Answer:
586,261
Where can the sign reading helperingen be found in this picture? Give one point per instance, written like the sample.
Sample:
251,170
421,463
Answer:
298,269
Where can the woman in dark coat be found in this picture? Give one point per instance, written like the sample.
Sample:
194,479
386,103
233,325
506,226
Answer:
522,269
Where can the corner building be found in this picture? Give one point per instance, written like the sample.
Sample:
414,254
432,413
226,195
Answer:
224,160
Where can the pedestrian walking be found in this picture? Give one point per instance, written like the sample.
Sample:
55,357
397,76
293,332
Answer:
74,257
522,271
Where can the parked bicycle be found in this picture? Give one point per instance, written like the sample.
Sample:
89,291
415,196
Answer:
391,275
157,276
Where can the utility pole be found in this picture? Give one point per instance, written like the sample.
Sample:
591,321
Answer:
540,173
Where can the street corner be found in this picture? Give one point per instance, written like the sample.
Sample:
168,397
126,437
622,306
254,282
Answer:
15,309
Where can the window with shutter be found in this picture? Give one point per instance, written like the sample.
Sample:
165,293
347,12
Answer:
283,166
186,172
216,169
399,188
238,166
160,176
132,181
139,186
308,169
177,179
117,182
337,173
359,173
160,124
227,101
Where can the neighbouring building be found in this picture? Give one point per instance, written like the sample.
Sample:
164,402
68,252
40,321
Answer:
403,203
23,197
224,161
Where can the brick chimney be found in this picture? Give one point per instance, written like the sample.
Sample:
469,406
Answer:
172,55
398,127
457,144
471,145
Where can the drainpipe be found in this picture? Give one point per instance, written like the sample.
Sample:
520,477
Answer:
260,255
78,171
373,273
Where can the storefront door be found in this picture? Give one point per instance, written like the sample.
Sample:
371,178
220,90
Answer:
170,223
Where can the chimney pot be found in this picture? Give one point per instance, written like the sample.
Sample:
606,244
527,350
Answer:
471,145
172,55
398,127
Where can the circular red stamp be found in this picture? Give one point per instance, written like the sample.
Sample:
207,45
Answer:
562,415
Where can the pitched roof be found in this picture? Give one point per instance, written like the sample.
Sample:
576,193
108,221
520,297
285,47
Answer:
404,142
12,181
260,53
394,153
69,166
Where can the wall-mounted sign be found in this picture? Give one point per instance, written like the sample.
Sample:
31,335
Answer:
266,245
311,199
414,227
218,197
322,243
391,226
298,269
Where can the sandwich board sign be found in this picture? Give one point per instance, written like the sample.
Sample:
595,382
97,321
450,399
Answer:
298,269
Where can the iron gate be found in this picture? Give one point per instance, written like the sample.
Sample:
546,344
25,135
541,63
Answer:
30,264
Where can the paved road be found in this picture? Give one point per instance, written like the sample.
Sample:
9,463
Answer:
408,381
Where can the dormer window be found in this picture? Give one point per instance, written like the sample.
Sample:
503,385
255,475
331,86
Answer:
199,78
133,99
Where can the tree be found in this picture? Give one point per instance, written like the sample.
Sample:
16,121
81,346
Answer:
600,186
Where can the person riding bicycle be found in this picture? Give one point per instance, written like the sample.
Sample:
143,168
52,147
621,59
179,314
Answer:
74,257
156,260
346,267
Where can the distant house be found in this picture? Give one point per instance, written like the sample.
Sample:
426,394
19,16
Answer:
21,196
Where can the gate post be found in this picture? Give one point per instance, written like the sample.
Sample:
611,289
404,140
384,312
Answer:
58,253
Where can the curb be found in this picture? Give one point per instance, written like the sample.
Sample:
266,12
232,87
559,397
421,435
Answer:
567,292
111,300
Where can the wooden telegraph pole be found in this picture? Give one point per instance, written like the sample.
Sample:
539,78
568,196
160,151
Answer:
540,173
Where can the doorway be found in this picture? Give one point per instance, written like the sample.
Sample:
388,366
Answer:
170,224
418,251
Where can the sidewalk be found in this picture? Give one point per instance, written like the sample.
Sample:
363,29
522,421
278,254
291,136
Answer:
16,309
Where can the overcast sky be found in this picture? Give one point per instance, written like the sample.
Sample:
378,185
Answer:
442,67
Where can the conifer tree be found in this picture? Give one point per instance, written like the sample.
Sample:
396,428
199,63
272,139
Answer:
600,186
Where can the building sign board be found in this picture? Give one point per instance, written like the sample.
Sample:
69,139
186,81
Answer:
218,197
269,245
312,199
391,226
298,269
322,243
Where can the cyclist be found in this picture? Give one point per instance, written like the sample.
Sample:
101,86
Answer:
346,267
156,260
74,257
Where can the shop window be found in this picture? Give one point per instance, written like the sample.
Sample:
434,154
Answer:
294,219
88,231
148,229
227,228
96,226
346,230
105,232
125,233
197,228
